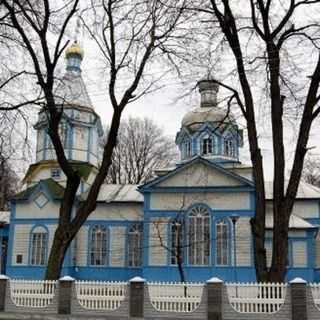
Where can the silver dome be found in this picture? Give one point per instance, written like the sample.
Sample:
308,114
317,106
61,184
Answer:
197,116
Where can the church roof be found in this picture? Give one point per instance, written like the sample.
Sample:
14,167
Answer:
201,115
72,91
54,188
118,193
305,191
84,168
295,222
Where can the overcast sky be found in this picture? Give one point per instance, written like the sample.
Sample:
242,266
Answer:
163,107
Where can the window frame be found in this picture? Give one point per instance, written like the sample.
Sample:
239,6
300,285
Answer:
229,148
38,246
102,251
55,173
226,252
186,149
137,254
202,236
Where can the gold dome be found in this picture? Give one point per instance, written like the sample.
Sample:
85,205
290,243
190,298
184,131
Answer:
75,49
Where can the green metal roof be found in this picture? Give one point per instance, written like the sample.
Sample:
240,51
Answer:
55,189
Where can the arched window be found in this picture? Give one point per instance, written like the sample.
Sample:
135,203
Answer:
222,243
199,236
135,246
39,244
177,246
99,246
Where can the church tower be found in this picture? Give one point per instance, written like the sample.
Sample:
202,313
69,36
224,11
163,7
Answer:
80,126
209,131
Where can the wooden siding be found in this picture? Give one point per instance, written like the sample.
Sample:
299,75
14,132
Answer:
118,243
219,200
158,232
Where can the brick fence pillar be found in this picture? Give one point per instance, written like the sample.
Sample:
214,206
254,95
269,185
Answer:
136,303
298,289
65,295
214,299
3,287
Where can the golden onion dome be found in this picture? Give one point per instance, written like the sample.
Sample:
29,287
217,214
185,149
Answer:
75,49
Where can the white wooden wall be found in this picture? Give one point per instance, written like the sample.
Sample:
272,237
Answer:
118,252
219,200
158,229
21,243
243,242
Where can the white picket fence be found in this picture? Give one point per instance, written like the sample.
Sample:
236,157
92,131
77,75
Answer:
32,293
100,295
175,297
256,297
315,289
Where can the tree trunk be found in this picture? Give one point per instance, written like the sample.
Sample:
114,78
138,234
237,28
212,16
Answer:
58,250
278,268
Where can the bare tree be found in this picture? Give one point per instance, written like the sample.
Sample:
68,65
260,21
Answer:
266,45
141,148
311,171
130,35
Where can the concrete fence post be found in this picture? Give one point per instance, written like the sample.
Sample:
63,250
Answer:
3,287
136,303
214,299
65,294
298,289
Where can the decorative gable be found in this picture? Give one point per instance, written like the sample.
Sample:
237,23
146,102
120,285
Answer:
199,173
41,200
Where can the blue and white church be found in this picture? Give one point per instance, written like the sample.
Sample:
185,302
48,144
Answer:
205,202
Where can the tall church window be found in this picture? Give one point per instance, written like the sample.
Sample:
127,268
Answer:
199,236
229,148
99,246
39,243
177,246
222,243
135,246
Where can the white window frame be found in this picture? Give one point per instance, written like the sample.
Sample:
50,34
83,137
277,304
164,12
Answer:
99,246
199,234
222,243
135,241
39,246
208,146
229,148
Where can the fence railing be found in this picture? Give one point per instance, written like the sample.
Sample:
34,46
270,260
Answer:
32,293
99,295
315,289
175,297
256,297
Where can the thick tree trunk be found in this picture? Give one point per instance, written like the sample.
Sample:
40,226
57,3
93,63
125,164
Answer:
279,264
57,254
